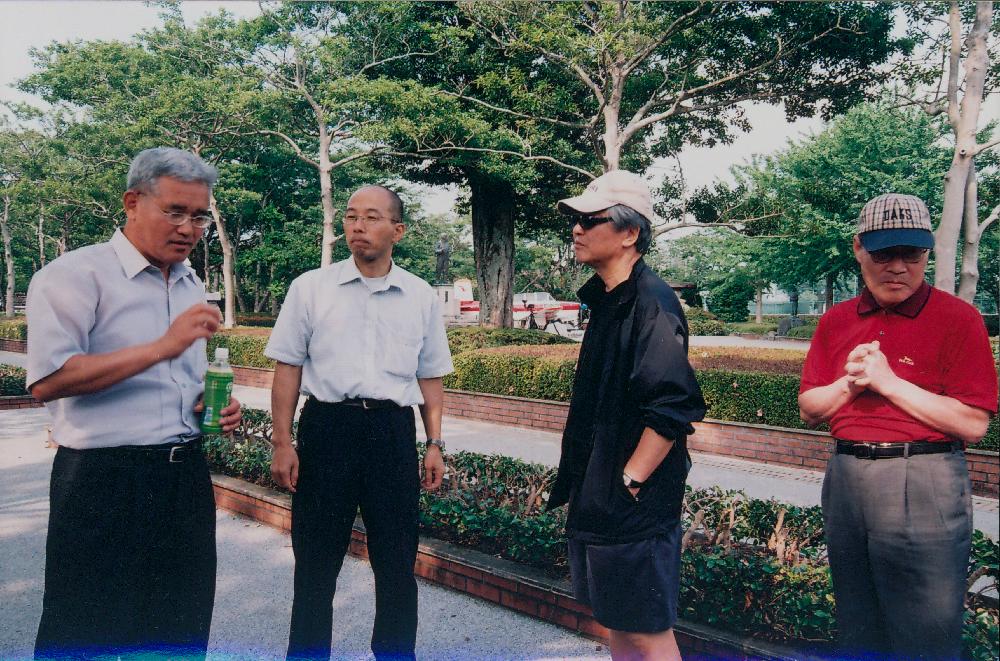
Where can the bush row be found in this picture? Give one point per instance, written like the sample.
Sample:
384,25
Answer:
12,381
748,386
702,322
753,567
13,329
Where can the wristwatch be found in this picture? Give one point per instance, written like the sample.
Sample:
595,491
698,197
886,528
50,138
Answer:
630,482
436,441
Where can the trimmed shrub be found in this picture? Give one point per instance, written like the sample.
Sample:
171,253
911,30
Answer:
751,397
12,381
513,374
466,338
992,322
752,328
701,322
805,332
13,329
245,348
262,320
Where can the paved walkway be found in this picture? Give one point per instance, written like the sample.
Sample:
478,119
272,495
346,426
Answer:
253,598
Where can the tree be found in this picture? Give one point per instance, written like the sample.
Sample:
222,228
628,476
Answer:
587,87
961,88
817,186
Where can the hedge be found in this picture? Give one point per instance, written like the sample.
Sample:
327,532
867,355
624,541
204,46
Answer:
735,573
754,386
12,381
701,322
13,329
467,338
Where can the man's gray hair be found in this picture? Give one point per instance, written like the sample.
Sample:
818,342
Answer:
151,164
623,218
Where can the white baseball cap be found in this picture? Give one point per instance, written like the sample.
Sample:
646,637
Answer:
612,188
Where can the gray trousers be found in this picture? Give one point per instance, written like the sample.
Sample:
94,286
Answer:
899,533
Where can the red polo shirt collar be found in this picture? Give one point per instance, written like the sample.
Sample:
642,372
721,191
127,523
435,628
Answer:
910,308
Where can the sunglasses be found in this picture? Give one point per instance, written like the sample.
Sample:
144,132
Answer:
909,254
587,222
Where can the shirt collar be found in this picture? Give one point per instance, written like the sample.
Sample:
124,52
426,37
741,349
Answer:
349,273
910,308
133,262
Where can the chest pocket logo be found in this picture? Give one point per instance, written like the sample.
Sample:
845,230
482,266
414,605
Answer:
906,360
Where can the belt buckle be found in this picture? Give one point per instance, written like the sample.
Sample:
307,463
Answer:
173,451
865,451
364,404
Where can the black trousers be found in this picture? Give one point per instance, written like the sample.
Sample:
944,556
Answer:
351,457
898,533
130,556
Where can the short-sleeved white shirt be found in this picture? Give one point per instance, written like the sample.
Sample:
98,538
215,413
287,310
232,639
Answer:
352,341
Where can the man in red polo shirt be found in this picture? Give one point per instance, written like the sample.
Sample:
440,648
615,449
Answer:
905,376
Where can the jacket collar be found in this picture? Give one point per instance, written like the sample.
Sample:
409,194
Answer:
592,293
910,308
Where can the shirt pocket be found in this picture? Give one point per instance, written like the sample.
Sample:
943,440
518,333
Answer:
401,343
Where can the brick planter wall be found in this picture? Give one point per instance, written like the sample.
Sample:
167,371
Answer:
797,448
499,581
19,402
256,377
17,346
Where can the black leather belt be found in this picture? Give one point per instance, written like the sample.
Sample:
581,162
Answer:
365,403
172,453
892,450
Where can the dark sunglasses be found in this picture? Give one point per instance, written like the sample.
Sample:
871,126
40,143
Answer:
587,222
909,254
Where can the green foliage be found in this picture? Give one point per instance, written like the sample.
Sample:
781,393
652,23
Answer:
701,322
752,328
752,397
729,299
14,329
802,332
12,380
513,375
258,320
466,338
245,350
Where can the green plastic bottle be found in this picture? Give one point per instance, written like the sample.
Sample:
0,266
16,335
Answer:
218,389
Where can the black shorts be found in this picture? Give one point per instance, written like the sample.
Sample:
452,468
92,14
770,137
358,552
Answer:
630,587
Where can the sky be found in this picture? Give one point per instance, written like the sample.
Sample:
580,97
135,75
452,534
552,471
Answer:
33,24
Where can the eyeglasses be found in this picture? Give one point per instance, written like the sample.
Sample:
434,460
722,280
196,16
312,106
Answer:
909,254
369,220
178,218
587,222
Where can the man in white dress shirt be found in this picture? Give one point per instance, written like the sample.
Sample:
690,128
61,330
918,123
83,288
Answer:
365,341
116,350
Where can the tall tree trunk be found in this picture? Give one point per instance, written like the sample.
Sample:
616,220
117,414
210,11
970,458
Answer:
831,280
8,258
229,281
969,281
208,274
41,234
759,306
964,119
274,299
62,245
493,243
256,289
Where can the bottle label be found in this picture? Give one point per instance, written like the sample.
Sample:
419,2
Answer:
218,389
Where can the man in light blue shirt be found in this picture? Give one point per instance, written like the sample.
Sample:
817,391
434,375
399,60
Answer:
116,350
365,341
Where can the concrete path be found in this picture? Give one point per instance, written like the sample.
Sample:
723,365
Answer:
253,598
735,341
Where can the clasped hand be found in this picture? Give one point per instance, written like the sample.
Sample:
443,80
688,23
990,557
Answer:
868,368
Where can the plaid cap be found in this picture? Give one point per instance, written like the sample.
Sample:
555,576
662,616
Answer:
894,219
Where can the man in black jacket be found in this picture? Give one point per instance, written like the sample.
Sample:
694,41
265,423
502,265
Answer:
624,459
